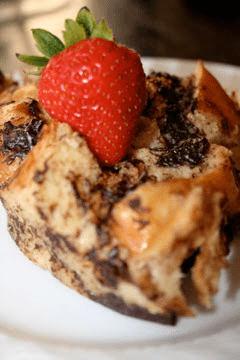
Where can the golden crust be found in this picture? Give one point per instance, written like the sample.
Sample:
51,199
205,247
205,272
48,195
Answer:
162,223
18,106
216,113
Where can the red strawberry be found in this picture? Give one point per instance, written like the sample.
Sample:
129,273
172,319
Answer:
97,87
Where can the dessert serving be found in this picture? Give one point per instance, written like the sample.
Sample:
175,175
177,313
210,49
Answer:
117,182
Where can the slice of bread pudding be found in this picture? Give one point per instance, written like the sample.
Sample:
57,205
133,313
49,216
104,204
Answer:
126,236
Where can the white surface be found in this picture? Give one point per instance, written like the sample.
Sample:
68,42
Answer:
42,319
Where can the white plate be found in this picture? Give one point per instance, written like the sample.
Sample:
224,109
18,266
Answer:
36,307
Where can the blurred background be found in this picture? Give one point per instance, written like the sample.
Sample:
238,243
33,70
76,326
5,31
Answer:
185,29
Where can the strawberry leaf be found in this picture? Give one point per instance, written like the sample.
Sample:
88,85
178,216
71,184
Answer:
74,32
102,31
87,19
47,43
38,61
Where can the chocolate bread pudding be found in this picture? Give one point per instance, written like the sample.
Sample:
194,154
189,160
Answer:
126,235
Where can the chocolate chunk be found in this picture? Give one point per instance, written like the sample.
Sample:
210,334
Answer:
39,174
190,153
176,128
179,101
109,271
18,140
225,126
189,262
103,235
7,103
34,108
60,241
135,203
2,80
116,303
80,201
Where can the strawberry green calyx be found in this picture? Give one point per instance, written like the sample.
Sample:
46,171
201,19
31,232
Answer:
87,19
85,26
74,32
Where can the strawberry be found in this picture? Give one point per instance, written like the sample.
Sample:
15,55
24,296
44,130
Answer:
92,83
